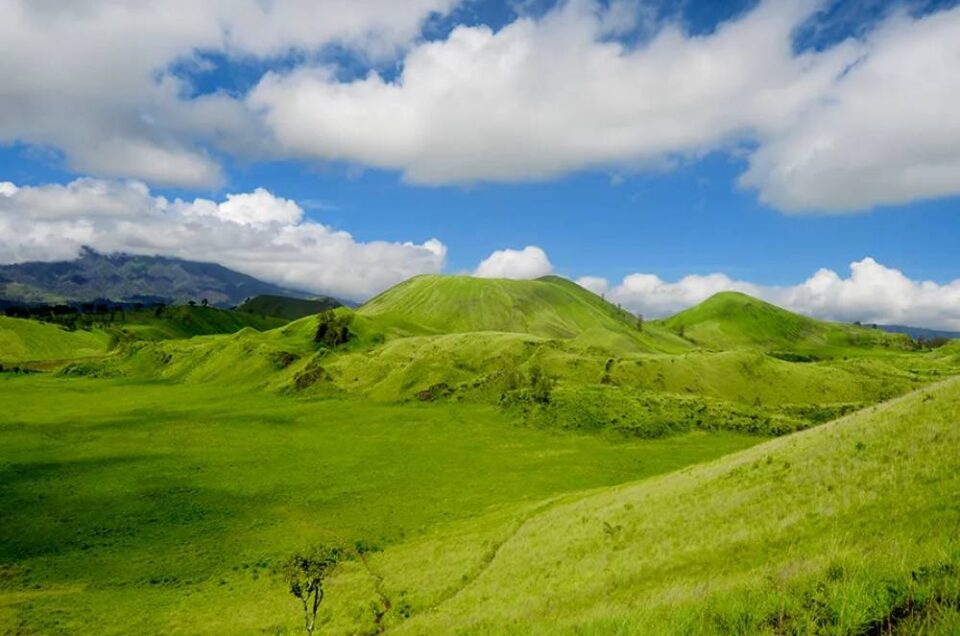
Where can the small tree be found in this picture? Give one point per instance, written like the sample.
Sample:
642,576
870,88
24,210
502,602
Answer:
639,322
305,573
192,303
204,302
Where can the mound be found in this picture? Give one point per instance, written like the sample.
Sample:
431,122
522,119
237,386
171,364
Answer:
29,340
550,307
732,319
286,307
847,528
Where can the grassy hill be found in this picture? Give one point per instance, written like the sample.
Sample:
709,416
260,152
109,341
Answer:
184,321
607,374
850,528
286,307
550,307
731,319
34,341
29,340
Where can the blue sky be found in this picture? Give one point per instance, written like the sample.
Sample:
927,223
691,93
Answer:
726,197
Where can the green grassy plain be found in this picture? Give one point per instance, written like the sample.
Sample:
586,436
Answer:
523,456
150,508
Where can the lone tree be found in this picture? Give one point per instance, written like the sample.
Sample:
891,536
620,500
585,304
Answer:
305,574
639,322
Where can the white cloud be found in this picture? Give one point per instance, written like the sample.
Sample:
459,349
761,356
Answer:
93,78
856,125
859,124
544,97
530,262
255,233
872,293
887,132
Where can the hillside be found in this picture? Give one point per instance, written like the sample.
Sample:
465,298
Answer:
29,340
731,319
286,307
34,341
550,307
125,277
848,528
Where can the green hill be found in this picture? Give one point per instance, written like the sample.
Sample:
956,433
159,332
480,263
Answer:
731,319
286,307
550,307
29,340
850,528
184,321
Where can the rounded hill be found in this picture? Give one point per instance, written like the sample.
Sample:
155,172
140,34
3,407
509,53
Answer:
551,307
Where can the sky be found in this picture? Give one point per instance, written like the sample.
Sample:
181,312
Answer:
804,151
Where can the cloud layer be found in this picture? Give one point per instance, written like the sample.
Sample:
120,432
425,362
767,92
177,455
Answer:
859,124
872,293
95,79
255,233
862,123
530,262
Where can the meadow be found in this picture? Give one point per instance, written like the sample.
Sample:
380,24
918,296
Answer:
500,456
142,507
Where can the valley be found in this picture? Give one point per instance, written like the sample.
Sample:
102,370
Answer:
513,457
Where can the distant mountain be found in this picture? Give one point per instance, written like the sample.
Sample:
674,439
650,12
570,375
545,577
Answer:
920,333
287,307
129,278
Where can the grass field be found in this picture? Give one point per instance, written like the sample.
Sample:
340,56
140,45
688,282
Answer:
151,507
521,456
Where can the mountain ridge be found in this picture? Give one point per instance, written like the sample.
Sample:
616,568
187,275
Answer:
124,277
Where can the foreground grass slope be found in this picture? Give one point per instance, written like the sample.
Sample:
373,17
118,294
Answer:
850,528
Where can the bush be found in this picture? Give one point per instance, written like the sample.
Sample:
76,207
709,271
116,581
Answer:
333,329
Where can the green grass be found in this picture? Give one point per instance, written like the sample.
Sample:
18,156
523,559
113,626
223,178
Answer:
28,340
155,490
125,505
845,529
731,319
184,321
286,307
550,307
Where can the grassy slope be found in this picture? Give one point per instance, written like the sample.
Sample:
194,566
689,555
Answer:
550,307
731,319
161,508
383,364
29,340
183,321
286,307
843,529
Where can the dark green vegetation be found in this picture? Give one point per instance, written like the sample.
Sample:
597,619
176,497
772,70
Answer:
498,456
125,277
286,307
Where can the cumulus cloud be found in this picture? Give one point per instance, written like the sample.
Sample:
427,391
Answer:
872,293
886,132
861,123
255,233
858,124
542,97
530,262
93,79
